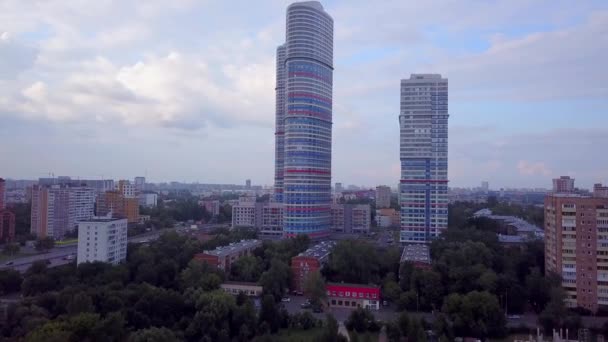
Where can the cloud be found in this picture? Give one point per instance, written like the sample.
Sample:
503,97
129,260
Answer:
526,168
175,90
15,57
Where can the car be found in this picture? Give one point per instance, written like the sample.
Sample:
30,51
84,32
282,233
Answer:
69,257
514,317
285,299
385,303
305,306
317,310
9,263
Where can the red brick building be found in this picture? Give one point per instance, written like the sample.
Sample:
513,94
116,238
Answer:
353,296
308,262
576,247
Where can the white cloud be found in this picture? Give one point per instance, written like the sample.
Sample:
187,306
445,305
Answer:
527,168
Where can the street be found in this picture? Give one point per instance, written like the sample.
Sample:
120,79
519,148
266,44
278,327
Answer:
57,254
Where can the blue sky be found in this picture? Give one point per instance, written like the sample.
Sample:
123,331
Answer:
184,90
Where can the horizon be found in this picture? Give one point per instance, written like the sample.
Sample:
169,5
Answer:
126,89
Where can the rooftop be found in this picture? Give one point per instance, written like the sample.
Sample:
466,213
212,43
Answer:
321,251
102,219
234,247
416,253
521,225
367,286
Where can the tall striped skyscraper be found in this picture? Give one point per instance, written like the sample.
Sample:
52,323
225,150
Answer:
423,122
304,120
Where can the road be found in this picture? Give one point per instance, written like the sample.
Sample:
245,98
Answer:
57,254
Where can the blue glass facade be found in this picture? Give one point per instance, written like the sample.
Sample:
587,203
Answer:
307,121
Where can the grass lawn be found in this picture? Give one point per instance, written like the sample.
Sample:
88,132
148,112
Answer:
364,337
5,258
66,242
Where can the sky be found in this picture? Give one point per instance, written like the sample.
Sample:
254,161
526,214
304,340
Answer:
183,90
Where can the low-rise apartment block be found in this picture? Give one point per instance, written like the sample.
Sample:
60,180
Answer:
120,206
249,289
223,257
305,263
102,239
383,197
350,218
387,217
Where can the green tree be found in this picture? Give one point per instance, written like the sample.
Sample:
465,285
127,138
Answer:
353,261
269,313
81,302
246,268
45,244
361,320
10,281
475,314
330,330
555,312
11,249
276,280
153,335
391,291
315,289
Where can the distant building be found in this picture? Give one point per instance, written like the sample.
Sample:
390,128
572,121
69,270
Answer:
7,218
211,206
120,206
266,217
352,296
387,217
58,209
563,184
350,218
305,263
599,190
576,247
140,184
148,200
383,197
249,289
224,257
485,186
338,188
102,239
248,184
127,189
2,193
418,254
423,122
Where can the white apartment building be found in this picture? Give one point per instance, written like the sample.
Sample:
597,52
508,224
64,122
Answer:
102,239
148,200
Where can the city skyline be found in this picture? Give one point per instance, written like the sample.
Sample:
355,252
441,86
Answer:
77,90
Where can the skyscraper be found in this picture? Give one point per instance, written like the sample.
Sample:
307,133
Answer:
423,124
304,119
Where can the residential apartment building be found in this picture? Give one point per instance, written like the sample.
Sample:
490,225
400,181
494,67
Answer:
267,217
139,184
223,257
211,206
350,218
563,184
600,190
102,239
127,189
305,263
423,122
149,200
383,197
7,218
249,289
58,209
387,217
119,205
576,247
304,121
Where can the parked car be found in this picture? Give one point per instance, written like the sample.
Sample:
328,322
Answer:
305,306
317,309
285,299
9,263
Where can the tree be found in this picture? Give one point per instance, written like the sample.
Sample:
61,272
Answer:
361,320
153,335
269,313
475,314
555,312
45,244
353,261
11,249
330,330
276,280
416,331
246,268
10,281
315,289
391,291
81,302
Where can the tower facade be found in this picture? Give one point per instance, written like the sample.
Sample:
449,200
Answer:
423,122
304,120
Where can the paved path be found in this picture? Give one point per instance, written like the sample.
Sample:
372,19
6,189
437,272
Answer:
342,331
